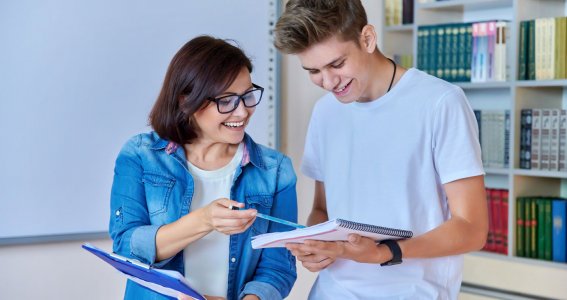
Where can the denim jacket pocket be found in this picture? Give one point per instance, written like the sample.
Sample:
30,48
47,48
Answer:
158,189
263,204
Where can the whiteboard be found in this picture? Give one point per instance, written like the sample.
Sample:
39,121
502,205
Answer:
78,79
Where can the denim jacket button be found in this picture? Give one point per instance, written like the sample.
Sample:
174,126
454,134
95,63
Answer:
233,259
118,213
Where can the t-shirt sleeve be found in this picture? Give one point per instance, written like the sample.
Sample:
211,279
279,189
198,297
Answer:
311,162
456,146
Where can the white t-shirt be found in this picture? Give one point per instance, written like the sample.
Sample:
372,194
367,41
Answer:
206,260
384,162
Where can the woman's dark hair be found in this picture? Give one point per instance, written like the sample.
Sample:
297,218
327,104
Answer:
204,67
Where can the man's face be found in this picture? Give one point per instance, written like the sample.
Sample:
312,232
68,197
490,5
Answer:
339,67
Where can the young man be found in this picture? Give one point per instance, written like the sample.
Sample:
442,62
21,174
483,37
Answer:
398,149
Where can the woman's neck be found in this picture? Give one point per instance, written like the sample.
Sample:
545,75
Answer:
209,155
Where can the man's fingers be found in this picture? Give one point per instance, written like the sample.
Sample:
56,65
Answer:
354,239
318,266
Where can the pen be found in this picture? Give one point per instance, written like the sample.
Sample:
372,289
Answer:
273,219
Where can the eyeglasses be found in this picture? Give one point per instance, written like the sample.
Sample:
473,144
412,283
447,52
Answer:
228,104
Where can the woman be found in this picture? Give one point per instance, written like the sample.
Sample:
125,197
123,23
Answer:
170,202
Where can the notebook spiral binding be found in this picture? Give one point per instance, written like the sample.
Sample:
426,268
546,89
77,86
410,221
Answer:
375,229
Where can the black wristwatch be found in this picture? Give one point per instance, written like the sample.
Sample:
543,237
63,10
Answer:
396,252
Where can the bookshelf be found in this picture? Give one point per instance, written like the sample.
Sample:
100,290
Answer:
506,272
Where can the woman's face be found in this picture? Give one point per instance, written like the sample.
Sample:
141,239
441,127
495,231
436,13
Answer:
215,127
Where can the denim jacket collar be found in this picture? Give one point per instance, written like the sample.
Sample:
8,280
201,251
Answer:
252,153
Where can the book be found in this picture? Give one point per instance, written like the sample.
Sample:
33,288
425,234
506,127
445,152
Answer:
332,230
559,233
166,282
520,226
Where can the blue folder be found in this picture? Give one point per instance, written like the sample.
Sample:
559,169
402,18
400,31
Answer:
144,272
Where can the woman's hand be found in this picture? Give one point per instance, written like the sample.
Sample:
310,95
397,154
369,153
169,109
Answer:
219,216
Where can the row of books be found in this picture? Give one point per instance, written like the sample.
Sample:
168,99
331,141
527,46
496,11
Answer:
542,49
540,228
465,51
398,12
494,135
497,240
543,139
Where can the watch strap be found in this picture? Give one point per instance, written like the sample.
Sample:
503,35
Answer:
396,252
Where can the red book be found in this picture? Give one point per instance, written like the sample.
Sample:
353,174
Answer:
496,219
504,220
490,242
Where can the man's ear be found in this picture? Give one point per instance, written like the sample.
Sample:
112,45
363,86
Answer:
368,38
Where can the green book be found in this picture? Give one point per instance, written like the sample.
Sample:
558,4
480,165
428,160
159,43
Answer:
420,47
540,228
531,51
527,228
441,58
523,48
547,232
468,52
520,203
453,66
533,228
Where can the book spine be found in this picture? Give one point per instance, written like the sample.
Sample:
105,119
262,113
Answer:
474,57
452,69
441,52
536,138
562,165
461,52
554,141
507,128
491,238
531,50
528,139
550,55
495,195
520,204
523,132
522,61
504,217
420,48
545,139
468,51
491,52
547,255
433,45
559,234
527,227
533,228
540,49
558,55
540,203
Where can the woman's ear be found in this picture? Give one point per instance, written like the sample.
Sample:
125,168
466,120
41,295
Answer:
368,38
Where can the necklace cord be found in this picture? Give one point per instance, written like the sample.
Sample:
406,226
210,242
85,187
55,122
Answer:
393,75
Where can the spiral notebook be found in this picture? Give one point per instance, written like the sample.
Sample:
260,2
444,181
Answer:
333,230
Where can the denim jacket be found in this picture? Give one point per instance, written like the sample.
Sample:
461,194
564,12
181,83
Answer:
152,187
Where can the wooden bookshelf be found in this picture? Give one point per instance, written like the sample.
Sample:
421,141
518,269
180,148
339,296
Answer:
525,276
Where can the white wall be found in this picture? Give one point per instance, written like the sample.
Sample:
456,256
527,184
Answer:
65,271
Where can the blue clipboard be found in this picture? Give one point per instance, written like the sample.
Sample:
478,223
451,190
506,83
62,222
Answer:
144,272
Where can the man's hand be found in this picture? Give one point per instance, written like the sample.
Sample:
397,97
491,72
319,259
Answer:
318,255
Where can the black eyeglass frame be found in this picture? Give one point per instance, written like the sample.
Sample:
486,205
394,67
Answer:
240,98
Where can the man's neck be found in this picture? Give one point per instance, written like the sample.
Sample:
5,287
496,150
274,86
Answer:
380,75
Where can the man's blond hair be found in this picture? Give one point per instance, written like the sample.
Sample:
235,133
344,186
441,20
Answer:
308,22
